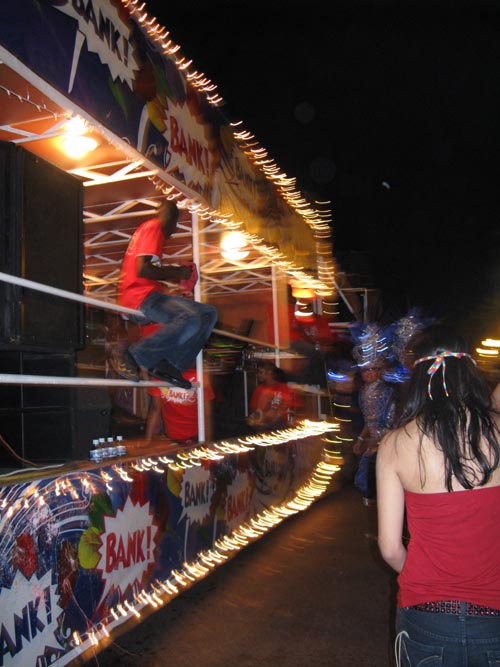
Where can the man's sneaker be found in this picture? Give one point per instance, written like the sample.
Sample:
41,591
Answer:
165,371
125,366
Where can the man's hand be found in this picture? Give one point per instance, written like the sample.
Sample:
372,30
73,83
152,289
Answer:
146,269
185,272
188,285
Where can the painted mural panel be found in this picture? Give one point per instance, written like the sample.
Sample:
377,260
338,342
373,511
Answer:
98,55
82,552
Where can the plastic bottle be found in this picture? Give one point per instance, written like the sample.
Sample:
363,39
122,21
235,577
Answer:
95,452
121,448
112,448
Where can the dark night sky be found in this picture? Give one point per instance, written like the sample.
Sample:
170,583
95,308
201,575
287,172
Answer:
388,109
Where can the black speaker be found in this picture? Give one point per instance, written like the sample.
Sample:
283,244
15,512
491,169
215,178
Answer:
37,423
40,240
41,436
48,424
92,410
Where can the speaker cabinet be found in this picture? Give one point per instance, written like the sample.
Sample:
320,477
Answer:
92,411
48,424
40,240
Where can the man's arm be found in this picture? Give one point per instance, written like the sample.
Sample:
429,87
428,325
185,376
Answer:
154,417
146,269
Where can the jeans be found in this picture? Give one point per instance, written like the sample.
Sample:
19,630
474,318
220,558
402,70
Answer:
427,639
187,326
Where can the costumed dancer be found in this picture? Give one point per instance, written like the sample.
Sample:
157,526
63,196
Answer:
404,329
403,357
343,383
376,402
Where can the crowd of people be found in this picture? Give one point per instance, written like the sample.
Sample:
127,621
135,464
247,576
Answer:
425,432
428,451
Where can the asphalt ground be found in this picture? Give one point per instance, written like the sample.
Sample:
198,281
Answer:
314,591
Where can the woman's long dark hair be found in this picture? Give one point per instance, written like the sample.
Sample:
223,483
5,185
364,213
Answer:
459,422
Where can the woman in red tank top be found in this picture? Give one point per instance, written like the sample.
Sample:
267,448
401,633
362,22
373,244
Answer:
440,470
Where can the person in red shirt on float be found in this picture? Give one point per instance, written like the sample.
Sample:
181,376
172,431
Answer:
177,408
185,324
441,469
273,403
260,378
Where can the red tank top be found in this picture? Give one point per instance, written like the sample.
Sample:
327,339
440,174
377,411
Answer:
454,549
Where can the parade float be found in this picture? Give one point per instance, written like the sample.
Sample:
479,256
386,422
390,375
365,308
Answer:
101,117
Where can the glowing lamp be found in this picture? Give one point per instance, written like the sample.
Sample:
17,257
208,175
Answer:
302,291
233,246
76,143
77,147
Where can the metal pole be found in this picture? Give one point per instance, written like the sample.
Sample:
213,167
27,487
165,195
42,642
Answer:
255,341
199,358
276,328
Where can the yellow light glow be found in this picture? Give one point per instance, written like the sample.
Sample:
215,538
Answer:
491,342
302,290
235,255
483,352
78,146
303,313
76,143
232,246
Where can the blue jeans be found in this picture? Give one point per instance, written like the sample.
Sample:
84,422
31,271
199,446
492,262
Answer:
187,326
426,639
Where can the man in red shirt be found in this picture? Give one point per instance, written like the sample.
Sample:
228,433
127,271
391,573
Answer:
273,403
186,324
178,409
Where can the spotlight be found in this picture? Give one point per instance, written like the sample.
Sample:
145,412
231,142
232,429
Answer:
76,143
232,246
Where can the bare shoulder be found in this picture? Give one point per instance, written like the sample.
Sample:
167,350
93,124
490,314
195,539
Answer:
398,441
495,397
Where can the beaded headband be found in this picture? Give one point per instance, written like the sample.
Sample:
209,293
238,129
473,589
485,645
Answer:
439,361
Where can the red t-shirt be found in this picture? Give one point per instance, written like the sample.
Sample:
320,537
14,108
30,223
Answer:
147,239
278,398
179,407
454,549
278,395
255,398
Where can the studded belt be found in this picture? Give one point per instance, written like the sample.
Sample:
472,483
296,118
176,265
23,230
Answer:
455,607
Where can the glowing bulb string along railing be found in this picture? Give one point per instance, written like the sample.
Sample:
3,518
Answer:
225,547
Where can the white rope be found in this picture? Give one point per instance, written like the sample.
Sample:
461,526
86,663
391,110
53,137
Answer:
31,284
398,643
40,287
14,378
